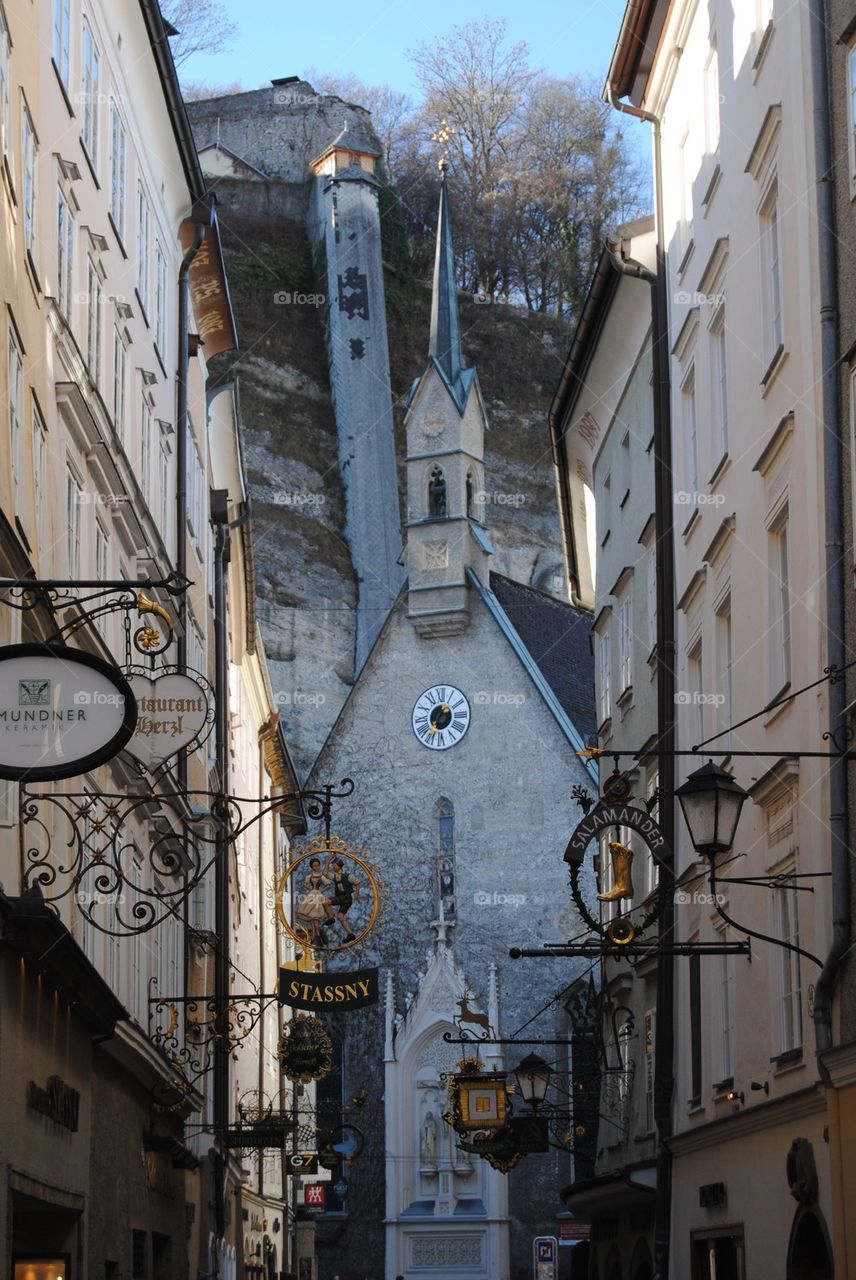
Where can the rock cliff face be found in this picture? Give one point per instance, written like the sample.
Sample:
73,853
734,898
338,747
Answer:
307,587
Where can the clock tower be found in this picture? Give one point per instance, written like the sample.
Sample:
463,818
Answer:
445,426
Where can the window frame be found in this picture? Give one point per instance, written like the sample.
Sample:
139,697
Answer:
65,237
5,86
120,385
40,475
772,299
604,668
91,80
143,250
94,318
625,644
29,179
15,415
719,380
74,539
780,602
789,1021
61,46
118,169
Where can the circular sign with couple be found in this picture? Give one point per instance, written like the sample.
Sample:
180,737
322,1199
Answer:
329,897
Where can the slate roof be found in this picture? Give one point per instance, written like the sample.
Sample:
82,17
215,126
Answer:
558,638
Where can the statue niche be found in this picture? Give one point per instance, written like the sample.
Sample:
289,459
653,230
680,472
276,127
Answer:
437,493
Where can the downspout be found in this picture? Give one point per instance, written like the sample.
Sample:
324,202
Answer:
833,524
664,1035
222,847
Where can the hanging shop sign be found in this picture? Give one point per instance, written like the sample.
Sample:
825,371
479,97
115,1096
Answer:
614,811
315,1196
305,1049
328,899
331,991
212,308
62,712
173,711
305,1162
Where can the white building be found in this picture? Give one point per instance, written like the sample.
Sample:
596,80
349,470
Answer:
730,88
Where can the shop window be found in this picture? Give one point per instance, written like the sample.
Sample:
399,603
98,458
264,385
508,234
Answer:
139,1255
718,1256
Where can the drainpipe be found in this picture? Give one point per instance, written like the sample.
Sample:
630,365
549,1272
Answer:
664,1036
220,518
201,216
833,522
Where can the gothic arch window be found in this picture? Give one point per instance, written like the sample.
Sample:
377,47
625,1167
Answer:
445,812
437,493
470,493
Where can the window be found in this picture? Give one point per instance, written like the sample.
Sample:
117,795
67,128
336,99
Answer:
91,75
685,194
790,982
94,308
117,170
604,510
142,247
40,491
652,596
5,77
28,164
770,272
73,503
625,644
711,104
102,552
195,660
624,470
61,39
851,69
723,663
16,408
604,667
695,693
120,383
718,1255
163,489
719,388
64,253
145,447
446,858
688,399
197,505
160,299
725,1066
695,1030
469,493
780,605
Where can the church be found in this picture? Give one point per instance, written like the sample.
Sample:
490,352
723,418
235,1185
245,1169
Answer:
463,733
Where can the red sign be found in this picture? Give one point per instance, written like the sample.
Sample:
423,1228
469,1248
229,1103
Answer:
571,1232
315,1195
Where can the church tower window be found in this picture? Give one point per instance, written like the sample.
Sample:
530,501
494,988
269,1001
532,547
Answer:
469,493
437,493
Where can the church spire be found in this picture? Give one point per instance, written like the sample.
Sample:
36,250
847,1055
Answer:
445,342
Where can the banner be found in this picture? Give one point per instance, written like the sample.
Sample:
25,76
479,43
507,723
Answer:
330,992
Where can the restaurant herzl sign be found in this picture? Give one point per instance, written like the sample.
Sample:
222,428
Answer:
172,713
62,712
332,991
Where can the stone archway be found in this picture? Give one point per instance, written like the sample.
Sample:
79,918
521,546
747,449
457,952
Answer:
809,1251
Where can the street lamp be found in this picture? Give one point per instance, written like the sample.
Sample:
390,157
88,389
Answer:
711,801
533,1077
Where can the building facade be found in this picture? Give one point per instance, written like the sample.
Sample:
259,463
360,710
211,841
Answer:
110,452
602,430
736,183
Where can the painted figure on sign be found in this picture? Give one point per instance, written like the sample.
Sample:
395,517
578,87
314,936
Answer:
345,892
313,905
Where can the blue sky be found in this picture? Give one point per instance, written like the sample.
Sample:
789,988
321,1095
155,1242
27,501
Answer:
284,37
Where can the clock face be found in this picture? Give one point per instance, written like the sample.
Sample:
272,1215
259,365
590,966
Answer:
441,717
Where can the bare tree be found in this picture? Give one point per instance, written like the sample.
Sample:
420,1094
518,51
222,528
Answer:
392,113
203,26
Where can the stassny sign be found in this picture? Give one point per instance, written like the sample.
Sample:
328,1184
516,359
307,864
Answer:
331,991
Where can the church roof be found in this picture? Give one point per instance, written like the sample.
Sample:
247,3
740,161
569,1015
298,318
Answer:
557,637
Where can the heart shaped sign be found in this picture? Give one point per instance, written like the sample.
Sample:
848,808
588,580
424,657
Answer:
172,712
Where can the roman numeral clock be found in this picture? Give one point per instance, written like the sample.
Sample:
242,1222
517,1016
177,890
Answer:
441,717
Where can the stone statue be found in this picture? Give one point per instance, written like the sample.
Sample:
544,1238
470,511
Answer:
428,1142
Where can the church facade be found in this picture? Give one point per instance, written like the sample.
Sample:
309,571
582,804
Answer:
463,735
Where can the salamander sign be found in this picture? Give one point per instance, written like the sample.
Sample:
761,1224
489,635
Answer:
62,712
605,815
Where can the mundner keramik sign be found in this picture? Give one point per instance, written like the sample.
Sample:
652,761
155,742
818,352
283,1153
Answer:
62,712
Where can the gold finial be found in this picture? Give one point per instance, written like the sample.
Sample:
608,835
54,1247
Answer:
145,605
443,137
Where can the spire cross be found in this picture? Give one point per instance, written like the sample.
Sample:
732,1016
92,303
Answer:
443,137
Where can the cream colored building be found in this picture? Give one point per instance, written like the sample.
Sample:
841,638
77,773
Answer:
101,197
731,89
